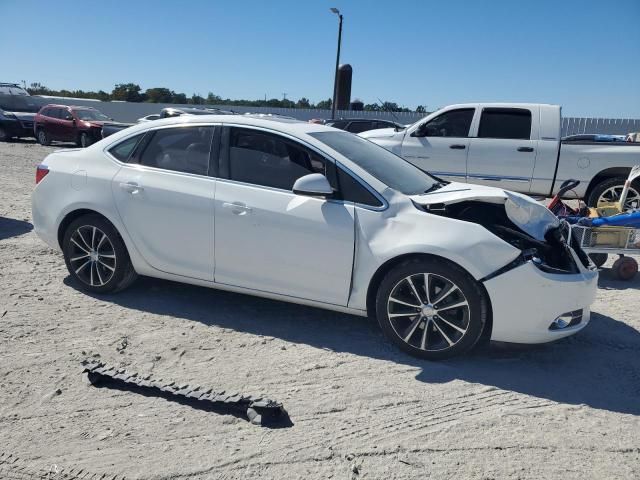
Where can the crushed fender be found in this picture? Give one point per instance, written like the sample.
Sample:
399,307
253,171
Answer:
257,410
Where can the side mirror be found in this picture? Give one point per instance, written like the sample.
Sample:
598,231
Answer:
313,185
68,117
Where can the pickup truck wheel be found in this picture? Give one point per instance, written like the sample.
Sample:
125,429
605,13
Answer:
609,191
431,308
43,138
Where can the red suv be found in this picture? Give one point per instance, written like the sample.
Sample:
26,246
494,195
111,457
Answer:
82,125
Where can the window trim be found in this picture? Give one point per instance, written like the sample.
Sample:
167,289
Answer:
224,159
473,114
503,110
146,138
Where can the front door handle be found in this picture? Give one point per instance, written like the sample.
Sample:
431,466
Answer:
237,208
131,187
525,149
457,146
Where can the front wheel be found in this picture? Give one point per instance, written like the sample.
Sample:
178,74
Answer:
431,308
43,138
4,135
96,256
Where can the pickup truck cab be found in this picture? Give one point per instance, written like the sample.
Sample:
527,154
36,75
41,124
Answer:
514,146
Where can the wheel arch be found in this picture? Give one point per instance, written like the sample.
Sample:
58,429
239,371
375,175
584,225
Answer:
604,175
387,266
77,213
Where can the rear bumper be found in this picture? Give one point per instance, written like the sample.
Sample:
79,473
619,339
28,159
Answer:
526,300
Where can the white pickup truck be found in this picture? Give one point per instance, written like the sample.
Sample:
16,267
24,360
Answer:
514,146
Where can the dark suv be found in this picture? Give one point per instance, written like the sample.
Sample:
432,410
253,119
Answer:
82,125
17,112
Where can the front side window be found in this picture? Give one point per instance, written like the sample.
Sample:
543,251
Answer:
269,160
123,150
454,123
181,149
512,123
387,167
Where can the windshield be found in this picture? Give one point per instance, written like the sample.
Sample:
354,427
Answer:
387,167
91,115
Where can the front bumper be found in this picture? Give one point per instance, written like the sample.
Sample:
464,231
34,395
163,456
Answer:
526,300
18,128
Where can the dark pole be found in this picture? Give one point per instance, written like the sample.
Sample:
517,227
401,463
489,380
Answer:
335,79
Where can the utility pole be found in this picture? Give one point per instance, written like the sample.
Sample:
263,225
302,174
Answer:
335,79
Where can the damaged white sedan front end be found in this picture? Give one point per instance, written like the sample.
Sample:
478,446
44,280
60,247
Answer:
543,294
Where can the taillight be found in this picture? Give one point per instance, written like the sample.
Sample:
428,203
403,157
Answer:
41,172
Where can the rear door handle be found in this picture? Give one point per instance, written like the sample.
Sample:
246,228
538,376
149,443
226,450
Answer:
525,149
237,207
457,146
131,187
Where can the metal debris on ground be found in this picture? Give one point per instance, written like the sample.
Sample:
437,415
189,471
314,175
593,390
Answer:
14,468
258,410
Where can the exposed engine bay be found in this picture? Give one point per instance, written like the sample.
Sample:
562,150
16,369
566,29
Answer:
552,255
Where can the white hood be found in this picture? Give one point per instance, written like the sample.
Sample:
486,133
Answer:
530,216
381,133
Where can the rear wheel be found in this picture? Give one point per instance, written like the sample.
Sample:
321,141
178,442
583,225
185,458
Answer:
43,137
609,191
96,256
431,308
84,140
4,135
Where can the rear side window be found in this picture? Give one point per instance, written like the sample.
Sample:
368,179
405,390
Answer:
337,124
512,123
357,127
123,150
269,160
181,149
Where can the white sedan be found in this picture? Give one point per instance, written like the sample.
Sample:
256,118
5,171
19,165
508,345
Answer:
313,215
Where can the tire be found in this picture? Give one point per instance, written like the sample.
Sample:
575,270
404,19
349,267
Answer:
447,335
43,138
610,189
97,264
625,268
84,140
4,135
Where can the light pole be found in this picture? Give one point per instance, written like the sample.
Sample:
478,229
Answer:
335,79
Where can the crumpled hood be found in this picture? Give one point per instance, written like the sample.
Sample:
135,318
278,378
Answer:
530,216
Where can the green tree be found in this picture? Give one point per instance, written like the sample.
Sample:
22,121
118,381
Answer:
196,99
421,109
158,95
128,92
324,104
303,103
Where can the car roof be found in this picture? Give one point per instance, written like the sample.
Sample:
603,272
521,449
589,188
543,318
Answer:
75,107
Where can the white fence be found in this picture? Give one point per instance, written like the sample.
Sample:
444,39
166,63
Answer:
130,112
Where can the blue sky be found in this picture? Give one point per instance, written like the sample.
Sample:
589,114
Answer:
580,54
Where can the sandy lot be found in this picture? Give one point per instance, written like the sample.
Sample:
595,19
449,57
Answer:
360,408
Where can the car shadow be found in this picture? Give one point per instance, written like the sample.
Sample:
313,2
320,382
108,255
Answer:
10,227
608,281
597,367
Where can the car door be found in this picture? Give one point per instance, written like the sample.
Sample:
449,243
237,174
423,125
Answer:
269,239
66,125
164,195
440,145
503,151
52,123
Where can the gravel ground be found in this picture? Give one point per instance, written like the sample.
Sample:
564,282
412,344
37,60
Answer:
360,408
